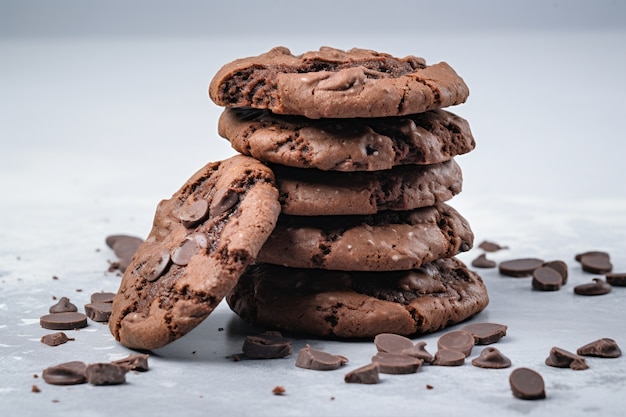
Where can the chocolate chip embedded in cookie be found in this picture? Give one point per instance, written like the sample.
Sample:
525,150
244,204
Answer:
359,304
385,241
371,144
193,256
335,83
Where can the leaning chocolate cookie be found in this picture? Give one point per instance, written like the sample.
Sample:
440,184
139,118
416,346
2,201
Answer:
347,144
359,304
385,241
334,83
202,240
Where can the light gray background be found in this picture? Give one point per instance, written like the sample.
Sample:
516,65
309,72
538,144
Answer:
104,111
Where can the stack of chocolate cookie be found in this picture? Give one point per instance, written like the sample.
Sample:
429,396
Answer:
363,154
332,220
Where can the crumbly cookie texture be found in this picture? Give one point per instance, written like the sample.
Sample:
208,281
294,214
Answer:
333,83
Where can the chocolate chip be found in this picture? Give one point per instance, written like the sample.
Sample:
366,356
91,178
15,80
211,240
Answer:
368,374
491,358
458,340
267,345
597,287
55,339
560,267
223,200
134,362
482,262
521,267
63,306
394,343
63,321
595,262
193,212
527,384
561,358
491,246
617,279
190,246
318,360
486,333
124,247
447,357
99,312
69,373
154,267
105,374
102,297
601,348
393,363
546,278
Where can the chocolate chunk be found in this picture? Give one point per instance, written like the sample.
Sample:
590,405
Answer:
561,358
595,262
546,278
491,358
155,265
223,200
617,279
69,373
396,364
63,306
134,362
491,246
521,267
55,339
579,256
482,262
318,360
527,384
447,357
419,351
63,321
560,267
597,287
193,212
105,374
401,345
267,345
459,340
99,312
124,248
367,374
102,297
190,246
601,348
486,333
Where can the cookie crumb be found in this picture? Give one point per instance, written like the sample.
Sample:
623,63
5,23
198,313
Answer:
428,386
35,388
55,277
220,329
278,390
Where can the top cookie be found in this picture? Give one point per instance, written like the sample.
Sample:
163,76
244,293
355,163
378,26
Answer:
332,83
202,239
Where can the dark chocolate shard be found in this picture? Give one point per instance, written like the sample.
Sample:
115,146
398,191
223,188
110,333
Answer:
448,357
486,333
522,267
98,311
318,360
481,261
68,373
527,384
105,374
134,362
601,348
55,339
491,358
597,287
561,358
267,345
367,374
396,364
488,246
458,340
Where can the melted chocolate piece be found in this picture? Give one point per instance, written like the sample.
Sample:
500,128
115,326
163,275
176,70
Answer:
482,262
617,279
102,297
63,321
527,384
595,262
367,374
521,267
546,278
560,267
69,373
318,360
597,287
267,345
63,306
396,364
99,312
105,374
486,333
448,357
458,340
491,246
55,339
491,358
601,348
561,358
134,362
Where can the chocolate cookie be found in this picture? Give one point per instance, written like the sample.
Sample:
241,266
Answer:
359,304
335,83
202,240
347,144
385,241
311,192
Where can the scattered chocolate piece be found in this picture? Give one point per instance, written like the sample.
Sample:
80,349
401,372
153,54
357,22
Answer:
482,262
63,321
486,333
491,246
617,279
546,278
420,352
124,248
267,345
601,348
428,386
278,390
521,267
63,306
105,374
69,373
367,374
55,339
98,311
447,357
596,262
394,343
35,389
459,340
579,256
134,362
491,358
318,360
102,297
396,364
561,358
527,384
560,267
597,287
